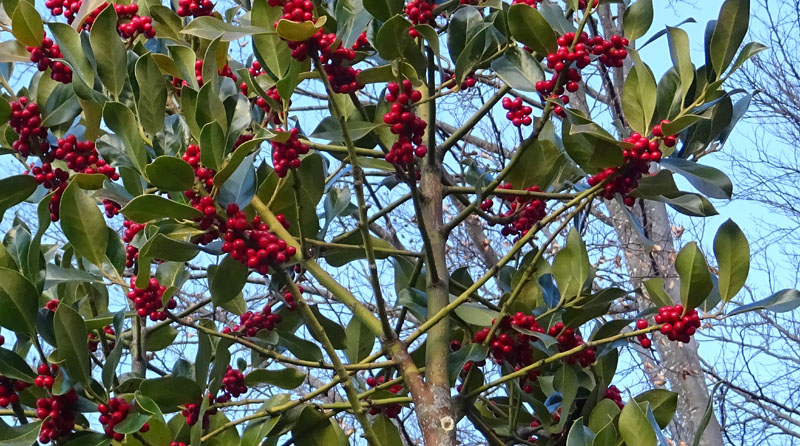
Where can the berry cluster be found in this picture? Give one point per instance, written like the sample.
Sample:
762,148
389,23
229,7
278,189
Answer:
419,12
192,412
253,244
526,212
51,305
94,339
43,56
509,345
177,443
45,379
137,25
469,82
303,11
112,413
641,324
390,410
343,78
625,178
124,12
567,340
251,323
67,7
517,113
403,122
362,44
532,3
203,203
148,300
225,71
9,389
131,252
288,298
613,394
56,181
26,120
271,115
82,156
58,413
286,155
194,8
233,385
568,62
111,207
679,324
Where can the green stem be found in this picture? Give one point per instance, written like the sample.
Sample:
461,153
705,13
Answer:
341,293
363,218
319,333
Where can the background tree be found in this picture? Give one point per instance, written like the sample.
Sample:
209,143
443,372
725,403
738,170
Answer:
151,113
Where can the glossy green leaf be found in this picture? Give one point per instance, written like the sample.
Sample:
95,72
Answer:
170,173
184,59
528,26
579,435
393,42
748,51
160,338
731,27
146,208
675,127
228,280
313,428
360,341
663,403
695,278
733,259
680,53
14,190
236,158
655,289
708,180
12,366
166,23
603,413
270,50
566,381
109,52
335,332
210,28
210,109
298,31
71,335
518,69
27,25
634,426
571,266
121,120
152,97
171,392
639,96
165,248
386,431
383,10
288,378
83,224
780,302
637,19
300,348
61,107
539,164
22,435
87,438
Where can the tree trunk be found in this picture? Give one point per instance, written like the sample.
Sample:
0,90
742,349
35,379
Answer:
680,362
